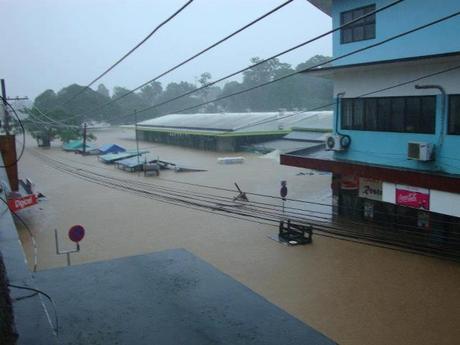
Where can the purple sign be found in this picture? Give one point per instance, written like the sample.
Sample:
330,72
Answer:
76,233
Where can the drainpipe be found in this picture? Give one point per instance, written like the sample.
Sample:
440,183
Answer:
337,111
443,110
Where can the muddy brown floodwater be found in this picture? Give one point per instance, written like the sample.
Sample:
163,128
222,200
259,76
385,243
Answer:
354,293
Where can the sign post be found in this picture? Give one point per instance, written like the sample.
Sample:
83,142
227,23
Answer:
283,192
76,234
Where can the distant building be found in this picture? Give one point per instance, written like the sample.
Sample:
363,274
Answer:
227,131
394,154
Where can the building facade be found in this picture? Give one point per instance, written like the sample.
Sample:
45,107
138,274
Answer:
395,150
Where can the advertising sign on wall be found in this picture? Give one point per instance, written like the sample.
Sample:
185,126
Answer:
413,197
370,189
349,182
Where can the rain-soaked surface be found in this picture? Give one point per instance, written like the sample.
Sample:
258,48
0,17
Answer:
353,293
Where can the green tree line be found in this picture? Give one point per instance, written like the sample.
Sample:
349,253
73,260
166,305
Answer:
300,92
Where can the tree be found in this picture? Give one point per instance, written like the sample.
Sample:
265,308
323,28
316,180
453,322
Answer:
208,93
128,104
103,90
300,91
46,100
174,90
51,126
151,92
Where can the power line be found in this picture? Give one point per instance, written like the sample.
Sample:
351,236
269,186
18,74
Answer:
130,51
192,57
360,96
312,67
34,118
244,69
303,201
54,120
23,135
380,235
91,175
56,319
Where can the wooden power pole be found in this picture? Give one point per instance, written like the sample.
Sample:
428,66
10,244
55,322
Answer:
8,145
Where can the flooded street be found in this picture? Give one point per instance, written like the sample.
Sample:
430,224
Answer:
355,294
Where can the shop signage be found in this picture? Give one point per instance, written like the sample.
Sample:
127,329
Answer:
370,189
413,197
17,204
349,182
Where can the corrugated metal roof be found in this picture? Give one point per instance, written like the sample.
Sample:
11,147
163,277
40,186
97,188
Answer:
112,157
132,162
212,121
112,148
284,145
306,136
241,122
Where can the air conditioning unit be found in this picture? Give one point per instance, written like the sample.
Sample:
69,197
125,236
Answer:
420,151
337,142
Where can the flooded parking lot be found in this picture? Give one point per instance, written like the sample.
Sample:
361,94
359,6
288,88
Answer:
353,293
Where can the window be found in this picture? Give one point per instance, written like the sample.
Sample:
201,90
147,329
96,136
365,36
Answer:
394,114
363,29
454,114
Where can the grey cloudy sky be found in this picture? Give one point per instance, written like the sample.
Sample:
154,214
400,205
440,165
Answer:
49,44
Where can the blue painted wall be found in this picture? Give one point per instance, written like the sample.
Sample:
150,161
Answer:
438,39
390,149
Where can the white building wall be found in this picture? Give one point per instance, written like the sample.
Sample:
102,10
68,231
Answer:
445,203
358,81
389,192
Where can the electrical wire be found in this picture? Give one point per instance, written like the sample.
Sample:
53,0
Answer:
54,120
56,318
450,69
33,118
380,235
314,67
23,135
241,70
324,215
131,50
32,237
190,58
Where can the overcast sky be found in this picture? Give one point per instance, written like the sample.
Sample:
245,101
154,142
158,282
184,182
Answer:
49,44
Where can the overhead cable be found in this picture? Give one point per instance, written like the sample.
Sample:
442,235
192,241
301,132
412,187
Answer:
23,135
130,51
289,75
241,70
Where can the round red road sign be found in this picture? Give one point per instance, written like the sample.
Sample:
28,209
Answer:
76,233
283,190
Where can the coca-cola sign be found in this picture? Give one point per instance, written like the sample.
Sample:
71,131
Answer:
17,204
413,197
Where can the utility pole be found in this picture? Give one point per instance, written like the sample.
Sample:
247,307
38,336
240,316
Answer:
84,138
8,145
137,139
6,119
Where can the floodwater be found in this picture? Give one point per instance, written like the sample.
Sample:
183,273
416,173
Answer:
355,294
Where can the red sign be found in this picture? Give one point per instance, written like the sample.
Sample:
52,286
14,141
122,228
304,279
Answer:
412,198
349,182
76,233
17,204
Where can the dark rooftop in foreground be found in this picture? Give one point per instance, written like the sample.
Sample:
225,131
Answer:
164,298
